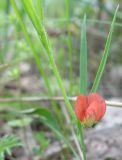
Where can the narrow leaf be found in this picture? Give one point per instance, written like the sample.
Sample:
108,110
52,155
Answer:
83,59
48,119
105,55
35,54
28,5
40,10
83,79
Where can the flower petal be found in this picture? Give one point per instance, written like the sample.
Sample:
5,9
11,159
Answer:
80,106
100,106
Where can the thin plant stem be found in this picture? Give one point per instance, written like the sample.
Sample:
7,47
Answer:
6,41
83,80
47,99
69,44
45,41
28,5
38,62
82,142
28,151
37,59
72,129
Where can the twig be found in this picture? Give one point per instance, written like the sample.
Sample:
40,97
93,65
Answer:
39,99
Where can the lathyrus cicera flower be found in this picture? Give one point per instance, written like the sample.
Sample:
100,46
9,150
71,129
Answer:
90,109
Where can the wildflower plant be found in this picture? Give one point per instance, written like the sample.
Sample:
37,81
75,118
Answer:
89,107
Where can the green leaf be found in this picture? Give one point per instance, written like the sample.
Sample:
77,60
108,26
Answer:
83,79
29,7
48,119
37,22
7,143
20,122
39,7
45,116
83,59
105,56
35,54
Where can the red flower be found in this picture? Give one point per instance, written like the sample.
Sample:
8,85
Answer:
90,109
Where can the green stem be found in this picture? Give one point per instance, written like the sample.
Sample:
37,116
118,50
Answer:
45,41
5,38
55,70
38,24
83,79
82,143
40,11
83,59
81,138
39,63
37,59
69,44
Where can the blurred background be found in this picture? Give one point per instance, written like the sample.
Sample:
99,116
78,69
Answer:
59,23
19,75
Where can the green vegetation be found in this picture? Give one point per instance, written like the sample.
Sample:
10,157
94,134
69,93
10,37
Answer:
47,51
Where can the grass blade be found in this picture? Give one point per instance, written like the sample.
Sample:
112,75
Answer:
105,55
38,61
83,59
69,40
35,54
46,44
83,79
29,7
40,11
